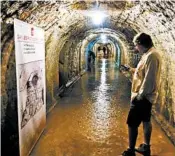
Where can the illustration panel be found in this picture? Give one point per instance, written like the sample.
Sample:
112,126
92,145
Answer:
31,89
31,86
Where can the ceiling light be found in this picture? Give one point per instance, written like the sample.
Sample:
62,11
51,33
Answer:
96,16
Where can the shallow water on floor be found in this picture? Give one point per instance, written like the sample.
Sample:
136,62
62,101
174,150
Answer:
90,119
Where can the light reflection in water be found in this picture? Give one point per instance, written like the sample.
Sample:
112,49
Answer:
101,116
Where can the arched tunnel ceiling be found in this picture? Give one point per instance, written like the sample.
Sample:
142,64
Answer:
94,33
65,21
113,36
124,16
116,37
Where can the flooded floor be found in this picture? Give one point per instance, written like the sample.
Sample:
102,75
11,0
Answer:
90,119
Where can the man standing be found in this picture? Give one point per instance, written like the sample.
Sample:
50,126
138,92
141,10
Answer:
144,93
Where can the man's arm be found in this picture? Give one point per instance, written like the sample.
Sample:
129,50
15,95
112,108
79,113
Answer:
132,70
128,68
149,81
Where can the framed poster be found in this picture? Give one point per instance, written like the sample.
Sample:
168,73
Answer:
31,88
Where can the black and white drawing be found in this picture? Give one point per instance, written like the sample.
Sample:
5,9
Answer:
31,86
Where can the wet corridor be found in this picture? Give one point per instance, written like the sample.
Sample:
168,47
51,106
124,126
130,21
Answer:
90,118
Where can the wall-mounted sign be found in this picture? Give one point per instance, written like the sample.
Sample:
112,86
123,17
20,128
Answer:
31,89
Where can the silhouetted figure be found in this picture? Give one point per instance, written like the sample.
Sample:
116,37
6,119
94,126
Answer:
104,52
91,60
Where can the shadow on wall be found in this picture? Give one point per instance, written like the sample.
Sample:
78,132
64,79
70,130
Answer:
9,120
63,69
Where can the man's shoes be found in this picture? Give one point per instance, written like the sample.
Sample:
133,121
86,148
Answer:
144,149
129,152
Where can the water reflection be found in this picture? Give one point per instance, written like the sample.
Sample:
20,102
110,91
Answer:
103,72
101,116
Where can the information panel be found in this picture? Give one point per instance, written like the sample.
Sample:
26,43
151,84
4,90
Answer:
31,88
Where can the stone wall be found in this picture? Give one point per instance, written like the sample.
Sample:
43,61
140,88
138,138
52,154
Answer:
65,29
9,116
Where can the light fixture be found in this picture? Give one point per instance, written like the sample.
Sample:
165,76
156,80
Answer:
96,16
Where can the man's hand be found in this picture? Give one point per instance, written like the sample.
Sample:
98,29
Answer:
125,67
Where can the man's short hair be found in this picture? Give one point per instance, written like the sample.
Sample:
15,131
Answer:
143,39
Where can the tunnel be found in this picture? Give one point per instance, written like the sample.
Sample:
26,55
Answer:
70,32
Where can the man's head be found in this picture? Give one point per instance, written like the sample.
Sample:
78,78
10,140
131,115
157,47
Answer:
142,42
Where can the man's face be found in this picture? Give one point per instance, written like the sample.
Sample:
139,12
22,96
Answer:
139,48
